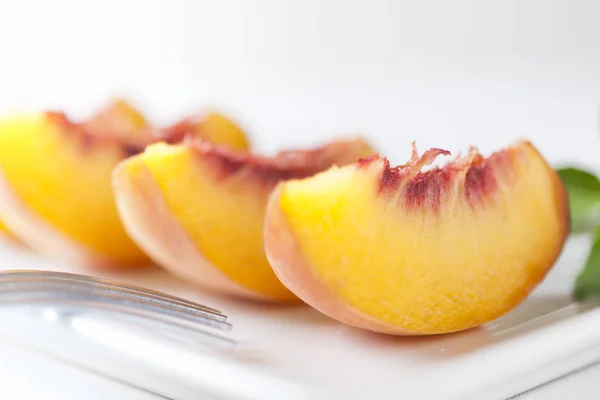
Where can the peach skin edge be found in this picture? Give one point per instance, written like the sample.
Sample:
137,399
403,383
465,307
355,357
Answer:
291,267
282,248
166,242
43,237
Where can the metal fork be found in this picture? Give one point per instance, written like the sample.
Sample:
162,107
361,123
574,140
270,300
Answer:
75,290
153,347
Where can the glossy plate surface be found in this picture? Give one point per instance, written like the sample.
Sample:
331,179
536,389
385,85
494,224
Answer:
295,352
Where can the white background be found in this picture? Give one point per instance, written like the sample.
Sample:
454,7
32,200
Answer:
446,73
294,72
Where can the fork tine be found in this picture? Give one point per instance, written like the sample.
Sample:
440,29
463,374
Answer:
43,285
104,287
42,292
108,283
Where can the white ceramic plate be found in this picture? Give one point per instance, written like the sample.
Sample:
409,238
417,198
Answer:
295,352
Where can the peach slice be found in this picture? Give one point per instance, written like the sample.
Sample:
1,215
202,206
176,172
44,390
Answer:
120,120
55,192
3,229
212,127
401,251
198,209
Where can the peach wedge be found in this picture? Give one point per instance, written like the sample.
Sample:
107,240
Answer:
55,192
406,252
121,121
198,209
118,116
3,229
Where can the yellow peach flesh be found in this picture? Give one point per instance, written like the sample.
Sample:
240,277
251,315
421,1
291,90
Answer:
3,229
220,130
64,181
367,257
121,121
224,219
221,211
55,179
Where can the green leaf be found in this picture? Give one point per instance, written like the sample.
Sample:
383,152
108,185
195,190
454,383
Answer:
579,178
588,282
583,189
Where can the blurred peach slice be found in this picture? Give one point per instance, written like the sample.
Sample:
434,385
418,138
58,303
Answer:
4,230
198,209
123,122
408,252
118,120
55,192
211,126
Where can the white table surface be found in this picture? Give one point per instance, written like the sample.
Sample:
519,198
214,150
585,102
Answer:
27,374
